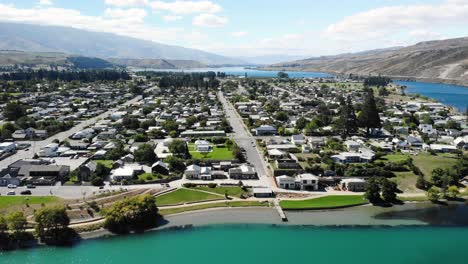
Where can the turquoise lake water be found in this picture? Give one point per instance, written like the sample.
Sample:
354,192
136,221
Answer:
265,244
241,71
453,95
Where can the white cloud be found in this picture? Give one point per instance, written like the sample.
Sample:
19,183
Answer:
381,22
186,7
170,18
45,2
209,20
132,14
239,34
113,22
126,3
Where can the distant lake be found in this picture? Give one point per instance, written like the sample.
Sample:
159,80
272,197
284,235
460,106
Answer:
453,95
241,71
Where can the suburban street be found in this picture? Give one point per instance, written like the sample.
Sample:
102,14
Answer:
245,140
37,145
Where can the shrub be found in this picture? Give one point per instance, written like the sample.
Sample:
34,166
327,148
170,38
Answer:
212,185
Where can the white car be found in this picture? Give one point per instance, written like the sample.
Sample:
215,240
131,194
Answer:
11,193
11,186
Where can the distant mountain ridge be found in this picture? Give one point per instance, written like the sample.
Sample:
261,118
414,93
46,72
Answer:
157,63
14,58
39,38
438,61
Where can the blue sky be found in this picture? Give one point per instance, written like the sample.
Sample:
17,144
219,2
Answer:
256,27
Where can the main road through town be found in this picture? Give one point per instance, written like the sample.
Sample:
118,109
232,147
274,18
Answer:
245,140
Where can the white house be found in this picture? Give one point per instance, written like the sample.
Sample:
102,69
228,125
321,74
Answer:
192,172
286,182
49,151
352,145
353,185
308,181
122,173
203,146
428,129
298,139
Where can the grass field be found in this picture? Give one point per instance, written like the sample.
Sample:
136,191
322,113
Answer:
218,153
231,191
213,205
427,162
182,196
333,201
394,158
406,181
12,203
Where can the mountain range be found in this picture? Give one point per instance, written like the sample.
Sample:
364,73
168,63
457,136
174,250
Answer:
39,38
438,61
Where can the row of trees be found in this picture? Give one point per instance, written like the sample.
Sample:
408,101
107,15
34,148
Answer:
68,76
381,190
51,227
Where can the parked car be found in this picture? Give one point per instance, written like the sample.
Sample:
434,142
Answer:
26,192
30,186
11,186
11,193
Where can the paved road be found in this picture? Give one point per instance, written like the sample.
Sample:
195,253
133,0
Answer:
245,140
37,145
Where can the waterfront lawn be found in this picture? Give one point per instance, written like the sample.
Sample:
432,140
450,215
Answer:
11,203
406,181
182,196
218,153
427,162
231,191
177,210
326,202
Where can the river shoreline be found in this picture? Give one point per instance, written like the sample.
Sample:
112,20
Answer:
409,214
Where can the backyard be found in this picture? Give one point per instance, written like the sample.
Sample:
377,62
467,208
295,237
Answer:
218,153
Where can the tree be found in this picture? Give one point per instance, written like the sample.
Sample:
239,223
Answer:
389,190
178,148
347,121
301,123
453,192
13,111
281,116
175,163
52,225
145,154
282,75
369,117
373,190
16,222
433,194
132,214
421,183
170,125
437,176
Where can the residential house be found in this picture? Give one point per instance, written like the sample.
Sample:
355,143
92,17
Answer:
265,130
243,172
353,185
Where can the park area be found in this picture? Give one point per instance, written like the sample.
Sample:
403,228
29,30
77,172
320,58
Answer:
9,204
326,202
182,196
217,153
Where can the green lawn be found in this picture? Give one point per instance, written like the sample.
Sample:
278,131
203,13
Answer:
394,158
231,191
406,181
10,201
325,202
218,153
182,196
213,205
427,162
106,163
